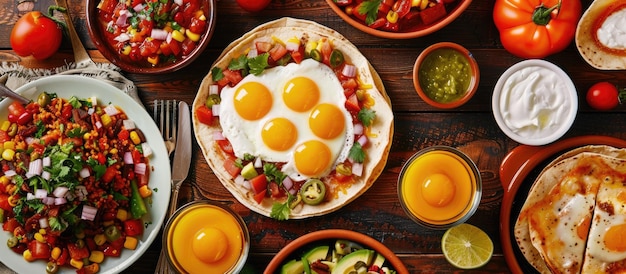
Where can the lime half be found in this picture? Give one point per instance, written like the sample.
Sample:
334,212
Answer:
466,246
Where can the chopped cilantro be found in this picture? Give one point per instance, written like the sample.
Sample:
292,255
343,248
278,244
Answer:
217,74
97,167
356,153
75,132
239,63
41,128
248,157
239,163
370,9
259,63
366,116
36,204
273,174
56,224
282,211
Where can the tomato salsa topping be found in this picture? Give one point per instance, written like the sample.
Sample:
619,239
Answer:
73,181
264,179
153,32
397,15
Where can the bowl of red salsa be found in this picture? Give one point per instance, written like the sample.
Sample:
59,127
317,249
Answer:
399,19
151,36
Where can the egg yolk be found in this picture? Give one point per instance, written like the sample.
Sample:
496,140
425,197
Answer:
312,157
438,190
209,245
252,100
301,94
615,238
279,134
327,121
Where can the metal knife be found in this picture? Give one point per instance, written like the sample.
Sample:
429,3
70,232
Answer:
182,154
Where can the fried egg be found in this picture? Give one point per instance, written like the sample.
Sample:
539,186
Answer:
293,114
607,237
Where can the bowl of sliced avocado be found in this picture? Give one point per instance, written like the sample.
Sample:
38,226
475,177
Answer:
335,251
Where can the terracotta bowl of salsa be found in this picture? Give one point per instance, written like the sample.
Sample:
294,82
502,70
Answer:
339,249
446,75
178,32
399,19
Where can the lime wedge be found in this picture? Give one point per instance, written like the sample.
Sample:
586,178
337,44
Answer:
466,246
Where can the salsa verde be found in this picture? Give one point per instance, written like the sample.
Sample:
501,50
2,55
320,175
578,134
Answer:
445,75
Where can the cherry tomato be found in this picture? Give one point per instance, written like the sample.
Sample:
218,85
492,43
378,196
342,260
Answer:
37,35
603,96
133,227
253,5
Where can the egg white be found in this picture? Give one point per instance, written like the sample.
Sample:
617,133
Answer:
245,136
602,221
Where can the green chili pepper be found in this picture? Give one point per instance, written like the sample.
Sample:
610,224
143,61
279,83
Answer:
336,58
313,192
137,205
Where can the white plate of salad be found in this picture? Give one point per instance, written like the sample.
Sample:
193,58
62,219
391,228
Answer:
151,147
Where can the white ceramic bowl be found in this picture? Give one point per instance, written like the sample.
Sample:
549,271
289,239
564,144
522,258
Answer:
534,102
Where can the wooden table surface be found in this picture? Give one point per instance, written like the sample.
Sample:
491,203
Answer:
376,213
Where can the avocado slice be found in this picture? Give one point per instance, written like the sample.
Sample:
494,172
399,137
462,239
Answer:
293,267
314,254
248,172
348,262
379,260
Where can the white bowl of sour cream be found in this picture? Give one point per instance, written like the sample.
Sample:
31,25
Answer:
534,102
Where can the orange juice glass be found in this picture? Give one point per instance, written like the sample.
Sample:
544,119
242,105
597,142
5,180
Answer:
204,236
439,187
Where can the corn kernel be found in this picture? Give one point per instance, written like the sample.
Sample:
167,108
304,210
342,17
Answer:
424,4
392,17
135,137
415,3
153,59
126,50
39,238
106,119
96,256
99,239
122,214
8,154
4,180
178,36
55,253
8,145
145,191
192,36
5,125
78,264
42,231
86,136
130,243
28,256
113,151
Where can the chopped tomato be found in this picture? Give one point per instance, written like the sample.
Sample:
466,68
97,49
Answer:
205,115
77,253
260,196
4,202
109,174
275,190
64,257
225,146
258,183
231,167
298,55
263,47
133,227
4,136
10,224
188,46
39,250
277,52
352,104
233,77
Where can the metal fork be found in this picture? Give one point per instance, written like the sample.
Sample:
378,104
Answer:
164,114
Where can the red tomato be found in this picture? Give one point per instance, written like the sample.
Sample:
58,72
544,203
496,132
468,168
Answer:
205,115
133,227
77,253
39,250
231,167
604,96
253,5
260,196
258,183
37,35
4,202
226,146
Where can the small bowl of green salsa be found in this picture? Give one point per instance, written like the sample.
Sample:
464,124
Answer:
445,75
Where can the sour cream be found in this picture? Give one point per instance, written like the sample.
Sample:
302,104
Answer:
534,102
612,32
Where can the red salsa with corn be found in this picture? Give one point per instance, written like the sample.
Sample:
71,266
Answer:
73,182
397,15
153,32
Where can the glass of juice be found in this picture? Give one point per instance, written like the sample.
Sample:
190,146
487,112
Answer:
206,235
439,187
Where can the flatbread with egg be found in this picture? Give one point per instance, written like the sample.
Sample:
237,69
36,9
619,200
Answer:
290,190
600,35
554,222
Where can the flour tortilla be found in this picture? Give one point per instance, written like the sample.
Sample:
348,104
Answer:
377,150
548,179
597,56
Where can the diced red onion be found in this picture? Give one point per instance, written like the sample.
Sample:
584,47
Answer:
147,150
111,110
35,167
30,140
239,180
140,168
123,37
169,37
214,89
138,7
60,191
358,129
293,191
287,183
29,175
43,222
128,124
357,169
84,173
41,193
292,46
178,2
158,34
80,192
258,163
121,21
30,196
89,213
362,140
10,173
128,158
349,71
246,184
60,201
98,125
91,111
253,53
48,200
46,175
46,161
218,136
215,109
